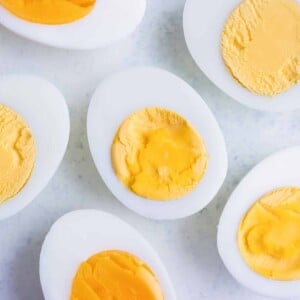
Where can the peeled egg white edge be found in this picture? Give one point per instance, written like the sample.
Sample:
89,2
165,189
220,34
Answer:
278,170
108,22
44,109
203,22
80,234
125,92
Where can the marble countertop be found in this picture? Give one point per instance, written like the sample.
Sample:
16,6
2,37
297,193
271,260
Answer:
188,246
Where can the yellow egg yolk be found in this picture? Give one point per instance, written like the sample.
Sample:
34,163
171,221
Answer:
158,155
261,45
269,235
115,275
17,153
49,11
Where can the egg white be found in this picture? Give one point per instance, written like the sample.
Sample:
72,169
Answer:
279,170
203,23
108,22
123,93
80,234
45,111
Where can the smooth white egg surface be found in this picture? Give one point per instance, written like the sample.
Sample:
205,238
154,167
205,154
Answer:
45,111
279,170
108,22
80,234
203,22
123,93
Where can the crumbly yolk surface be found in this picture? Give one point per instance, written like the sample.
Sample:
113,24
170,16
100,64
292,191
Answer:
17,153
261,45
49,11
269,235
115,275
158,155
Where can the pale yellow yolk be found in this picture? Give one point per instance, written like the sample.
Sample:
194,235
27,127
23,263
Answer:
269,235
49,11
261,45
115,275
158,155
17,153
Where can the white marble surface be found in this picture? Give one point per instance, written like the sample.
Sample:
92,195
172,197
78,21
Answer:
188,246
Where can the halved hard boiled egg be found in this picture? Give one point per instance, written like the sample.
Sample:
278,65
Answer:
89,254
258,233
71,24
34,133
155,143
249,49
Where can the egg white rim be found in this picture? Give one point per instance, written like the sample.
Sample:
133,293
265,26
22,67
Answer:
108,22
126,92
203,22
45,111
278,170
80,231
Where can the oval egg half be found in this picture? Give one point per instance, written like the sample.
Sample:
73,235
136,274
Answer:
44,110
277,171
77,236
108,22
203,24
129,91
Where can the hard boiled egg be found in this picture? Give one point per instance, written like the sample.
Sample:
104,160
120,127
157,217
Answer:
44,110
107,22
203,23
125,93
278,171
77,236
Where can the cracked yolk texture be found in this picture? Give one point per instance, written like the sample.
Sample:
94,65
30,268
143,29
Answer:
158,155
17,153
49,11
261,45
269,235
115,275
